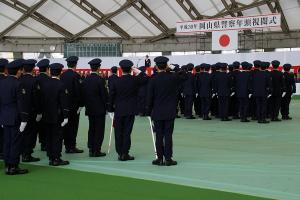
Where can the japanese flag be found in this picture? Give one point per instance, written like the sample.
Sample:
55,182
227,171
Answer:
224,40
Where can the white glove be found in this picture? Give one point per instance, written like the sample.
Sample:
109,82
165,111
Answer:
136,71
283,94
233,93
64,122
79,110
250,95
182,95
22,126
171,67
111,115
269,95
38,117
196,95
213,95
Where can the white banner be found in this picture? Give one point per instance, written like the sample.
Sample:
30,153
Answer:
224,40
223,24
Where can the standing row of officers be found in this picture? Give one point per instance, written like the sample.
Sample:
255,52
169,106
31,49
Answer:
48,106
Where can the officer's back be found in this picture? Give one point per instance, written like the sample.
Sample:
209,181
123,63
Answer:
205,82
223,82
113,77
94,95
243,81
261,82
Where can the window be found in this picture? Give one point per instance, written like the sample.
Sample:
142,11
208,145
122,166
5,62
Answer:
295,49
7,55
229,52
282,49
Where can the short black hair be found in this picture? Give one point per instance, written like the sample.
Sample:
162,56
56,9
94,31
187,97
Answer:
13,71
72,64
126,70
43,69
55,72
94,67
28,68
2,69
162,66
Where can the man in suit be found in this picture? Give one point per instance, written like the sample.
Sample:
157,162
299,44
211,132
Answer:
113,76
147,62
243,90
55,114
262,90
3,64
290,85
72,81
223,86
278,84
161,105
189,92
13,116
41,79
32,88
122,101
95,99
204,85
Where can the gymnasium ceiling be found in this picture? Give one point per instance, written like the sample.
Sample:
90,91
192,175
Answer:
127,19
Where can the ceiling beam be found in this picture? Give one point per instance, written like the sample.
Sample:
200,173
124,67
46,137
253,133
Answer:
22,18
190,9
228,8
150,15
98,15
21,7
218,15
104,19
278,9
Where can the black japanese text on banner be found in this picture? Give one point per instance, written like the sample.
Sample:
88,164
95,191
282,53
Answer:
223,24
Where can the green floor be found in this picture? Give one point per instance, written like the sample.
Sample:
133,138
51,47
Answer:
253,159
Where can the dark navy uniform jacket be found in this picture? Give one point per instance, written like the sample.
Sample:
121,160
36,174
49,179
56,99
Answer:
72,81
162,95
13,107
223,84
32,88
204,85
261,84
189,85
111,79
41,79
243,84
278,83
123,94
95,96
55,101
289,83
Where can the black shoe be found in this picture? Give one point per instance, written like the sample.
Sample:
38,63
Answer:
276,120
16,171
254,118
74,150
158,161
170,162
206,118
29,158
263,121
126,157
178,116
97,154
289,118
58,162
236,117
1,156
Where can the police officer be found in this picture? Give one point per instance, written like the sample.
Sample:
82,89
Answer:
3,64
113,76
189,92
13,116
290,86
215,70
197,100
72,81
142,96
278,84
55,114
234,102
161,105
95,100
243,90
262,89
123,101
32,88
204,86
222,86
41,79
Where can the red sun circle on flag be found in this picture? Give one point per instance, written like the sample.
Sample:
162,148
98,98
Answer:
224,40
